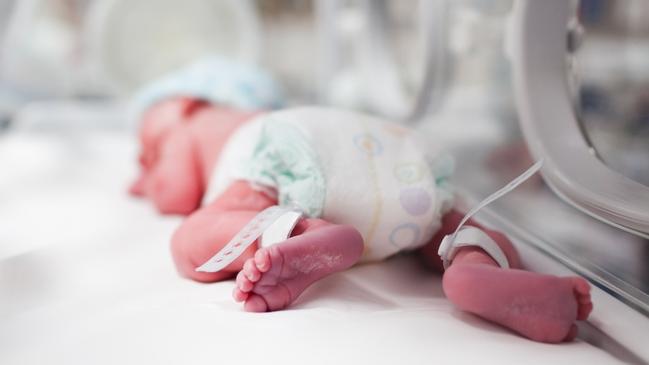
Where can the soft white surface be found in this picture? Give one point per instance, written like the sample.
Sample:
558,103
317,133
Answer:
86,277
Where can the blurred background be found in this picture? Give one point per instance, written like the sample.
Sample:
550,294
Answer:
69,68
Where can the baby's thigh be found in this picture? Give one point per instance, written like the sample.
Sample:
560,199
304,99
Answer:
202,235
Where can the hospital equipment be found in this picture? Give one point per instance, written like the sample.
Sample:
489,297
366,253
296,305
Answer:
471,236
574,171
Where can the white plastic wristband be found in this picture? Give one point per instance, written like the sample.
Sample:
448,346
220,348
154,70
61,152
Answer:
273,224
281,229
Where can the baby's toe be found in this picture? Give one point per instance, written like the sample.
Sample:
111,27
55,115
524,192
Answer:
581,286
262,260
583,310
250,271
238,295
243,283
582,294
255,303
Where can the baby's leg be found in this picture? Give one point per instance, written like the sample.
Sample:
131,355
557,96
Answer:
278,274
202,235
207,230
275,276
541,307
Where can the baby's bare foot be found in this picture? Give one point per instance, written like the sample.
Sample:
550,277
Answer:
541,307
277,275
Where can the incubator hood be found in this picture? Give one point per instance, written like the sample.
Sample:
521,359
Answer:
541,35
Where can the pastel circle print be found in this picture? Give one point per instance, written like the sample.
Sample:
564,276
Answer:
368,143
408,173
415,201
405,235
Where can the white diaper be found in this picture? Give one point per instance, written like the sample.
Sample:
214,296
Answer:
347,168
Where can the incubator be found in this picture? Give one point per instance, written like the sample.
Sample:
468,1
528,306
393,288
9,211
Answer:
571,74
504,82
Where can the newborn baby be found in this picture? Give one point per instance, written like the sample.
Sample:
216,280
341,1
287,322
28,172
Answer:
233,91
367,189
357,206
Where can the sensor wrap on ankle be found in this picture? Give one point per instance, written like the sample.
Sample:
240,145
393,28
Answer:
472,236
273,225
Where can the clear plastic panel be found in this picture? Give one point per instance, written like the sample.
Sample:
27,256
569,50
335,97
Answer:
611,54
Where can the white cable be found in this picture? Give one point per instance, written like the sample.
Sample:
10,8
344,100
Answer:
467,236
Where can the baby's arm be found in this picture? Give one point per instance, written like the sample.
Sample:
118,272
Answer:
181,140
541,307
175,183
172,167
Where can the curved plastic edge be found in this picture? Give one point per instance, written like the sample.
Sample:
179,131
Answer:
538,50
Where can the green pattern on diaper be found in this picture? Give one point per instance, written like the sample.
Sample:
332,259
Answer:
285,159
442,168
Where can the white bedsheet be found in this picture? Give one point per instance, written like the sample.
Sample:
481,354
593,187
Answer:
86,278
